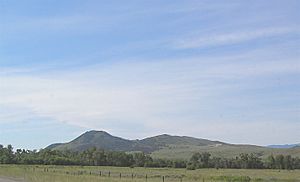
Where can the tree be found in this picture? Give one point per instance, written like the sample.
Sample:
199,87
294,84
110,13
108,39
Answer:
205,158
288,162
244,160
139,159
270,162
279,161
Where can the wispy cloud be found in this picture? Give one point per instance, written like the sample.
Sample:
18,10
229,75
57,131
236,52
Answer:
155,66
262,131
221,39
148,94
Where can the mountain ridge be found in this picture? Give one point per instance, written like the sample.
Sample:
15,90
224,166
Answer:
166,146
104,140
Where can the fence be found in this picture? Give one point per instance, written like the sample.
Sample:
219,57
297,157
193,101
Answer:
114,175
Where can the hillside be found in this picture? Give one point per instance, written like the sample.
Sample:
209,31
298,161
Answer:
167,146
226,151
103,140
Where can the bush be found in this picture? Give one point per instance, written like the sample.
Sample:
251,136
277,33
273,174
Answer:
190,167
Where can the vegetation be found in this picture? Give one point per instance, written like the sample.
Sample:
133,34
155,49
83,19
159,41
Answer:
53,165
90,157
42,173
167,146
223,151
243,161
97,157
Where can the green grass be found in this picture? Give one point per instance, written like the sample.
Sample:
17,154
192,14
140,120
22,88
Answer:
224,151
92,174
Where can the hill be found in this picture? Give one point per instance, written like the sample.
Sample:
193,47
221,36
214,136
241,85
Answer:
284,146
103,140
167,146
98,139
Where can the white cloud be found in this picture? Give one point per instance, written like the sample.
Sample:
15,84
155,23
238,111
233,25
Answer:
160,96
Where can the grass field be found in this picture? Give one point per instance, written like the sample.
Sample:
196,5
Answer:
111,174
223,151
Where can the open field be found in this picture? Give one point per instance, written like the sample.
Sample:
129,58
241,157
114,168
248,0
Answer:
111,174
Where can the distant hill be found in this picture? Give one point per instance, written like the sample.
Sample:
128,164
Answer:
167,146
286,146
103,140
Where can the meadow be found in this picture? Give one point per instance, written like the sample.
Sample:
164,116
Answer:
138,174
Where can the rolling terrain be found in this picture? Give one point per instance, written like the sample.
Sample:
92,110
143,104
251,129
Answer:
167,146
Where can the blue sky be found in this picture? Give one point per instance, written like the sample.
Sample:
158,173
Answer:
222,70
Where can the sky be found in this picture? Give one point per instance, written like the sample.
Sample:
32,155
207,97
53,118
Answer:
220,70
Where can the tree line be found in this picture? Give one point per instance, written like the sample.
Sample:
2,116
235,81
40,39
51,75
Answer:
90,157
243,161
98,157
